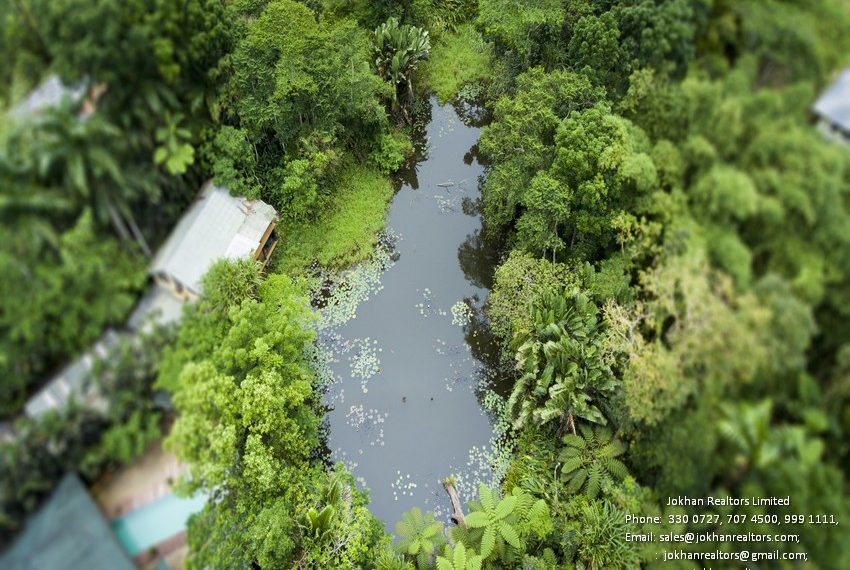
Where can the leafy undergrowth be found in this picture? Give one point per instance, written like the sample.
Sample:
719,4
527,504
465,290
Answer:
458,58
346,231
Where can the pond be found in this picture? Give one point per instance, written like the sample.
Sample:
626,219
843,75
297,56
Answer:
409,354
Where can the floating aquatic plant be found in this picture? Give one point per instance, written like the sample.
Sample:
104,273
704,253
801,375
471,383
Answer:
461,314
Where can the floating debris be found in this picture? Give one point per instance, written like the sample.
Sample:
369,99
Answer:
446,204
364,362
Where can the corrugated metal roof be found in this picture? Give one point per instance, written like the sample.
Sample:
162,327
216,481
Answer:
217,225
834,104
71,381
158,306
67,533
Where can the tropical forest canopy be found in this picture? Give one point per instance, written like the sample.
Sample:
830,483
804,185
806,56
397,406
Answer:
671,304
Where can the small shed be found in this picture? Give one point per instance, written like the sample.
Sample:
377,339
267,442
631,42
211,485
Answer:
67,533
833,109
216,226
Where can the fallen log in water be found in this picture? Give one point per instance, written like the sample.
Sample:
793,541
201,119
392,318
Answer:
457,510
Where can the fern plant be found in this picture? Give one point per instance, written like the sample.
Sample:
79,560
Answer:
389,560
459,558
598,534
495,526
419,535
565,370
589,460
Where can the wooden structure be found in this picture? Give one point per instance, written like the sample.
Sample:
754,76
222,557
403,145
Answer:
216,226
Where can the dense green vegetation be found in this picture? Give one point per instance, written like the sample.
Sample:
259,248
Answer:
461,59
344,232
672,302
249,430
83,199
682,194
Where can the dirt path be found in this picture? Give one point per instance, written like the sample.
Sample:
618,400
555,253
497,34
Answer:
139,484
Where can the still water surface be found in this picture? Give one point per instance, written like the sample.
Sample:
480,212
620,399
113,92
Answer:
409,370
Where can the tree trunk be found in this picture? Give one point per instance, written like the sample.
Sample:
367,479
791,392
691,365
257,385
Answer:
118,222
457,510
568,422
139,237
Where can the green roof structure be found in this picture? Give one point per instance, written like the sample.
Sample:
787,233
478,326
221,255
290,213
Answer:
67,533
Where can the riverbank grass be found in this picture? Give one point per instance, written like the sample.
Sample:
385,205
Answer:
457,58
346,231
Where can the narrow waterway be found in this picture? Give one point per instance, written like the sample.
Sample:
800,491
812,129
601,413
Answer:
411,367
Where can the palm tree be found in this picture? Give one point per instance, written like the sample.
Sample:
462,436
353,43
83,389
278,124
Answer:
494,519
78,154
29,208
762,447
747,428
34,212
589,460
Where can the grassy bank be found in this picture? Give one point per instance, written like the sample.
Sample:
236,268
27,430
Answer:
459,58
346,230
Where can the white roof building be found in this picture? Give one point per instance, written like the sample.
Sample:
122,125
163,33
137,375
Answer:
833,108
72,381
216,226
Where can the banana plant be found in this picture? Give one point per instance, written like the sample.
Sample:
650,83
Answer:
565,370
398,50
318,525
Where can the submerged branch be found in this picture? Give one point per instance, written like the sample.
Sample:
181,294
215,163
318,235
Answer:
457,510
